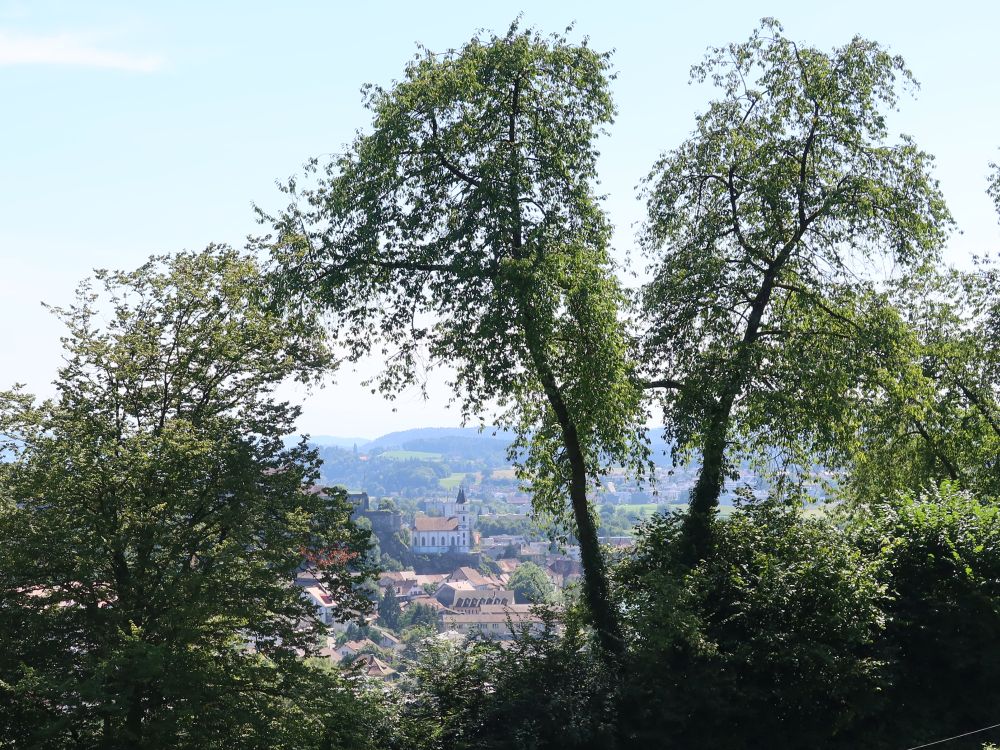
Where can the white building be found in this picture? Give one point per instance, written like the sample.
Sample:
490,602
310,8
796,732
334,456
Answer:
439,534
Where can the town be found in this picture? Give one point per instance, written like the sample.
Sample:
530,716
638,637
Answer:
460,584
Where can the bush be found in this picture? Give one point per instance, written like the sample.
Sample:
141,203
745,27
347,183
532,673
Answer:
772,636
940,557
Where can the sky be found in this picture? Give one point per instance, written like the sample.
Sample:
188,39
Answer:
132,129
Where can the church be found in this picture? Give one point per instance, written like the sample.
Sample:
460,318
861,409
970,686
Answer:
451,532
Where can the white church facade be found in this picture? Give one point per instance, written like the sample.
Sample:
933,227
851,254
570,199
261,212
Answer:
451,532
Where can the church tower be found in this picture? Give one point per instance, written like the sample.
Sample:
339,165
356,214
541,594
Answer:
464,527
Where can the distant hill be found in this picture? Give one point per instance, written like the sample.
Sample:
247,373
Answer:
489,445
451,443
400,439
338,442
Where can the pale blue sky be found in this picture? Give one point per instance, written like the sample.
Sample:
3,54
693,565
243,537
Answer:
133,128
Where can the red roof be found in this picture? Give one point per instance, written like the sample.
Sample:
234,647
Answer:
435,523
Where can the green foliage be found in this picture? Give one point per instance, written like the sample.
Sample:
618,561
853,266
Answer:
153,519
388,609
939,416
873,628
417,615
941,559
390,563
772,635
152,516
530,584
993,189
538,693
768,229
509,525
382,473
357,632
464,230
463,202
620,520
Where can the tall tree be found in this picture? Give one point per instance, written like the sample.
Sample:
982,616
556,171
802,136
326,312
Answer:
388,608
766,228
464,230
153,521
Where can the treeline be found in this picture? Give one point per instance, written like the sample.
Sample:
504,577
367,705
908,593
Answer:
798,315
379,475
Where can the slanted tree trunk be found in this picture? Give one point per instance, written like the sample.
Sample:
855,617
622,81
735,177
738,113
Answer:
711,477
595,578
704,500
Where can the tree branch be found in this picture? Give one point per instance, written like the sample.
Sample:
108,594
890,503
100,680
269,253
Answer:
668,383
455,170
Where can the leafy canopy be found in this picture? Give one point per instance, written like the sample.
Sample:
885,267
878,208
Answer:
769,230
463,230
153,521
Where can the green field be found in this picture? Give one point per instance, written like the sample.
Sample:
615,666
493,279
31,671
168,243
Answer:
452,481
643,509
401,455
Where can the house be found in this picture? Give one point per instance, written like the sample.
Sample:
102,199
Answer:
385,639
508,565
502,541
429,601
318,595
449,591
564,570
432,579
440,534
471,575
404,582
537,552
352,648
371,666
493,624
327,652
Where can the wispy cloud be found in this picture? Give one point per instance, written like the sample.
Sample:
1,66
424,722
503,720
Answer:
71,49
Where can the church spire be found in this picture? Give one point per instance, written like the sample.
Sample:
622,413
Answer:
461,494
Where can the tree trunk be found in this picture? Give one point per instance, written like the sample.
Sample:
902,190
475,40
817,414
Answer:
697,528
134,716
705,496
595,578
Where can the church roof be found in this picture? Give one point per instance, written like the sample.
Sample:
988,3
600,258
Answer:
435,523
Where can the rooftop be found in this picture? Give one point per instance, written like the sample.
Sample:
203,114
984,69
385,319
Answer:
435,523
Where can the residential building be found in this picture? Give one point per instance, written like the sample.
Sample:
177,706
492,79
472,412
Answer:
371,666
478,580
499,625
